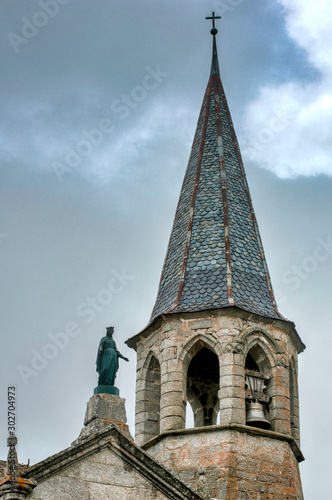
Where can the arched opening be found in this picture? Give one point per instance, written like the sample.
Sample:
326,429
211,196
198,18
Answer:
152,398
258,377
257,357
203,386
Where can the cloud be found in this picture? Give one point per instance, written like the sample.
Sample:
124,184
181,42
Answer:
288,127
122,151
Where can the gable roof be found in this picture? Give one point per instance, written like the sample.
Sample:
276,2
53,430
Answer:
126,450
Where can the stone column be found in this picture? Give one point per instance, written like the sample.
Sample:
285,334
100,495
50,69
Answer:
140,411
294,402
147,408
232,385
172,400
279,414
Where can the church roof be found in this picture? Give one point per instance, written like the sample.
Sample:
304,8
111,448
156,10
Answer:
215,257
112,439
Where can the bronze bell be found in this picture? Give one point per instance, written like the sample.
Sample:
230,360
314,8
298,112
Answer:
256,417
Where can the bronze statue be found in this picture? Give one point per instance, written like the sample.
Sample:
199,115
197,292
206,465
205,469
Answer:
108,359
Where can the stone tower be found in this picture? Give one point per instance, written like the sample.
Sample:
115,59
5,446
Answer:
216,339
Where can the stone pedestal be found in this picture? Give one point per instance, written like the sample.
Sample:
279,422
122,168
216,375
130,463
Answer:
107,389
104,410
17,490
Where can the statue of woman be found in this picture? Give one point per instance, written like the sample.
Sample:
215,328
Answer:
108,359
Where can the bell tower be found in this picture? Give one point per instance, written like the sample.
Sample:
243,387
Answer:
216,340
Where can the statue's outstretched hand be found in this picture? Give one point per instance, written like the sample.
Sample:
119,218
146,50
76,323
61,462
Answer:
126,359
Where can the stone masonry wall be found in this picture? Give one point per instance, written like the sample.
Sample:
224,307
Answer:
232,465
230,334
101,475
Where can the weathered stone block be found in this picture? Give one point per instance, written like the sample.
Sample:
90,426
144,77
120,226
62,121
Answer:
171,399
171,423
233,415
172,365
231,381
200,324
104,410
172,376
230,322
173,386
151,341
231,392
142,406
169,353
168,411
105,406
141,416
230,402
280,402
172,325
152,417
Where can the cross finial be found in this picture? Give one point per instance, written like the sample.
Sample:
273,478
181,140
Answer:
214,30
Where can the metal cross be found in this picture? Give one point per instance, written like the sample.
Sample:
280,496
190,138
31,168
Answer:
213,19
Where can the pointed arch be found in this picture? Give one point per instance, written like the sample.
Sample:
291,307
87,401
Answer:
258,377
261,355
195,344
260,333
201,367
148,357
267,349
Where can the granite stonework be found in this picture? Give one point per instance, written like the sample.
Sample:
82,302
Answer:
229,335
238,464
102,411
173,341
108,466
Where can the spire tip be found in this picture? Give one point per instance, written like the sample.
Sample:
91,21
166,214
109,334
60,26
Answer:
214,30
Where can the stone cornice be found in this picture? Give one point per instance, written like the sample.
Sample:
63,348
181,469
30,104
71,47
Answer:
284,324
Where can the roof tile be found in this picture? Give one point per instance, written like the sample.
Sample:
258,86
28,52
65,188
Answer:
215,257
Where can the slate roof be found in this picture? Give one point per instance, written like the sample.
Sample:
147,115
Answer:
215,257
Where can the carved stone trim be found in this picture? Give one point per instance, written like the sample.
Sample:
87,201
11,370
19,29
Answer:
234,347
282,361
252,330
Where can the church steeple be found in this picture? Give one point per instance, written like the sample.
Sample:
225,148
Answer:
216,342
215,257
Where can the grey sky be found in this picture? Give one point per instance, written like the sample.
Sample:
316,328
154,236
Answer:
89,191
